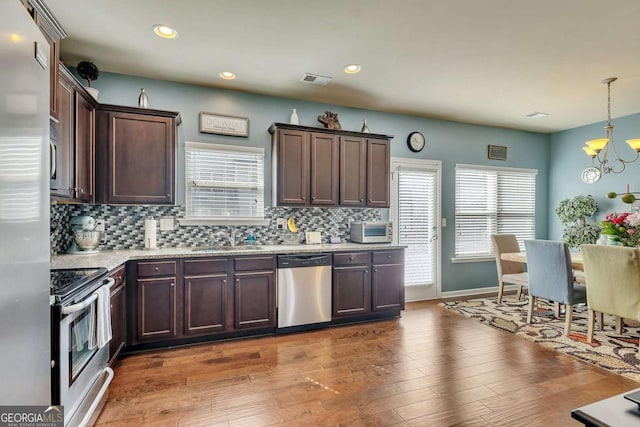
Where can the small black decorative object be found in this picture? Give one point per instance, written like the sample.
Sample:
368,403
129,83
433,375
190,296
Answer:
88,71
416,141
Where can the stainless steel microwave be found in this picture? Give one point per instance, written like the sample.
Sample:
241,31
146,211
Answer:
371,232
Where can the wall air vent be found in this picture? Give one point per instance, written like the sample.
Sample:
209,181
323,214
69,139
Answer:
315,79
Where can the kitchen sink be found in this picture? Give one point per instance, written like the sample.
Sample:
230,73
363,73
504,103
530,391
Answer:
226,248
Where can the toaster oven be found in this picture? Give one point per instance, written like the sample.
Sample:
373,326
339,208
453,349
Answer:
371,231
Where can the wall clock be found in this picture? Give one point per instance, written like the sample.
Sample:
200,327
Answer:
415,141
590,175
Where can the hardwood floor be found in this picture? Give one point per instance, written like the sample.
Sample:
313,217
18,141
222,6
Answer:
429,368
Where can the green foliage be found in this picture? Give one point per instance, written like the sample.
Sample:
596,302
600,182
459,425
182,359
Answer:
88,71
576,235
576,209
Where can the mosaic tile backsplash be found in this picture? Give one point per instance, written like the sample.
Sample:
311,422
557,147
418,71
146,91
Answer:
124,225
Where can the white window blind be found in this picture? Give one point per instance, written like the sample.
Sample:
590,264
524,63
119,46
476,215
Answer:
416,224
224,181
492,201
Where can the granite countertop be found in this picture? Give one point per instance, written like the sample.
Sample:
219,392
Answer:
113,258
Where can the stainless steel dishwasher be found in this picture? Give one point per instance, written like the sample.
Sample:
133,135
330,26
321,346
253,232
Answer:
304,289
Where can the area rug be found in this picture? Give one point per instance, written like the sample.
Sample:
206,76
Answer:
616,353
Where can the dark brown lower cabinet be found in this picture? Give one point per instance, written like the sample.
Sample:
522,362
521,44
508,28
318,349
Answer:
387,280
156,309
351,290
255,300
205,300
118,314
367,283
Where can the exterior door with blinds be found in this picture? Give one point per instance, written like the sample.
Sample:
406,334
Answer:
415,212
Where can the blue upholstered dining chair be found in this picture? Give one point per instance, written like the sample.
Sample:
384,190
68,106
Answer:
508,271
551,277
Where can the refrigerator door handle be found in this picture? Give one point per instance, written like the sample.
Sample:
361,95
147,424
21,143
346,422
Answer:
52,159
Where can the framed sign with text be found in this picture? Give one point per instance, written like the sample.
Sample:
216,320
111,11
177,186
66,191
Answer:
224,125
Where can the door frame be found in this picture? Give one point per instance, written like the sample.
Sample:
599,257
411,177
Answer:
420,293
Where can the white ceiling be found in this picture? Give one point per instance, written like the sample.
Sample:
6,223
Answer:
477,61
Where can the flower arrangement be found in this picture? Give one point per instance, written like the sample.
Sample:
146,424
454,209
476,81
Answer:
625,226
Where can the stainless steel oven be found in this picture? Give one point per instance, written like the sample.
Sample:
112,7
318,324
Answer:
80,376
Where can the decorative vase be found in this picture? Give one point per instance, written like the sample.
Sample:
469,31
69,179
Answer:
365,128
294,118
143,99
93,92
612,240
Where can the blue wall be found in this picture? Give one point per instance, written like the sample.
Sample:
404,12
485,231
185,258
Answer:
568,160
447,141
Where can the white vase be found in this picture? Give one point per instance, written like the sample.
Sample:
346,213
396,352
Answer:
294,118
365,128
143,99
93,92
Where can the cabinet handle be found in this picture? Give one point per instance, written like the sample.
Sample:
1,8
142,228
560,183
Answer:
360,200
375,270
173,284
350,258
237,280
389,256
168,195
224,280
313,198
156,269
82,190
111,305
366,271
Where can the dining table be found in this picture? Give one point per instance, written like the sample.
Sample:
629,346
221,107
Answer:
576,259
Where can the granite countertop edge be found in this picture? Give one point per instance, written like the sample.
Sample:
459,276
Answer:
114,258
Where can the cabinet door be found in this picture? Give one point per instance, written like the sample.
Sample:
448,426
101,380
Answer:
54,46
324,169
61,184
118,316
84,149
141,155
205,300
353,168
351,291
255,300
378,165
156,307
387,285
293,167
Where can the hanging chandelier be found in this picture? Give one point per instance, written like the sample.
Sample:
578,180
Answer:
603,151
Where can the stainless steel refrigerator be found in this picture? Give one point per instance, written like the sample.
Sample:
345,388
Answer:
25,370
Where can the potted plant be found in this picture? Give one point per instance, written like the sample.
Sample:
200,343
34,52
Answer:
573,213
90,72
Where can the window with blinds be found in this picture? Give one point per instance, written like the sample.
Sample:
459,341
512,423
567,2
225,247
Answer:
492,201
224,181
416,224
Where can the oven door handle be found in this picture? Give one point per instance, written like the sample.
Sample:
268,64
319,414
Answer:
86,303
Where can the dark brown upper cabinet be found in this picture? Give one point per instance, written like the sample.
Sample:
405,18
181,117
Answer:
73,176
324,167
136,152
53,33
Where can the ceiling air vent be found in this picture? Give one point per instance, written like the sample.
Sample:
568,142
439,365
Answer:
315,79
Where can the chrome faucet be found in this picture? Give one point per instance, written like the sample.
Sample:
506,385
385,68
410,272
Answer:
230,236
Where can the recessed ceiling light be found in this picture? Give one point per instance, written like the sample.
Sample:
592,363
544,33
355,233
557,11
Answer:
165,32
352,68
227,75
536,114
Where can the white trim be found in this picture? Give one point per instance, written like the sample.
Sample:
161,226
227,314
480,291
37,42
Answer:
462,260
496,168
432,166
222,221
226,147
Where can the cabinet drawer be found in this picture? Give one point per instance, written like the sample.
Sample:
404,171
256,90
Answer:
388,257
205,266
156,268
351,258
118,275
254,263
